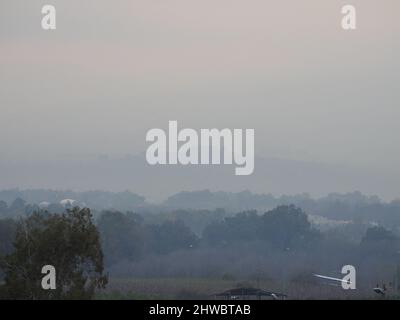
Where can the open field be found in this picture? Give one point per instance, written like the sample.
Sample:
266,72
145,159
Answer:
205,288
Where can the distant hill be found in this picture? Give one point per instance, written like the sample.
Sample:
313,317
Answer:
98,200
157,183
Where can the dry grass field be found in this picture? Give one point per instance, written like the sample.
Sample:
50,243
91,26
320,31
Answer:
202,288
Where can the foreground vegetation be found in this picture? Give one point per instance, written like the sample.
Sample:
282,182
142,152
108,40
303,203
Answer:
187,254
203,288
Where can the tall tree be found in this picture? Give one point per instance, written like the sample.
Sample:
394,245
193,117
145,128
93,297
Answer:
70,242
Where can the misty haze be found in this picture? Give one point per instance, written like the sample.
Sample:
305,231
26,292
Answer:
77,193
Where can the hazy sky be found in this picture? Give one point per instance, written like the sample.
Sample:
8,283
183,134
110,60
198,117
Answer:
115,69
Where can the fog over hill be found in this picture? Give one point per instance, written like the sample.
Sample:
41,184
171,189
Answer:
200,204
157,183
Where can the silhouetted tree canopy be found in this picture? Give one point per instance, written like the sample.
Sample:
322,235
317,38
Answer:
122,236
171,236
284,227
126,237
378,233
69,242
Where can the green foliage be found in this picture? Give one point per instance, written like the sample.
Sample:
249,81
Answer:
122,236
287,227
171,236
284,227
375,234
69,242
3,207
7,234
126,237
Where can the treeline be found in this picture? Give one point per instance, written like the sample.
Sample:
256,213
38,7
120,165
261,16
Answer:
279,243
127,237
285,227
96,200
282,230
352,206
131,236
348,207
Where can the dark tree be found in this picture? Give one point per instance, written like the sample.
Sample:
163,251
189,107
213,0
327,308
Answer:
18,205
376,234
284,227
287,227
3,207
171,236
122,236
7,235
69,242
